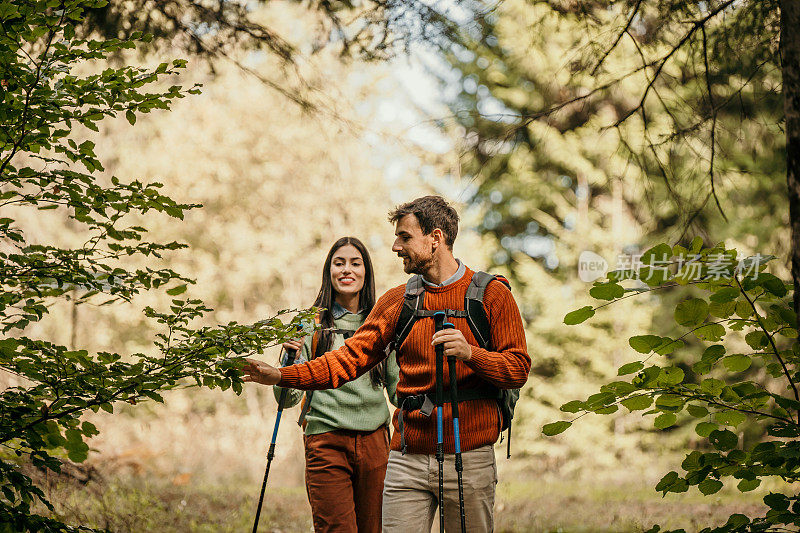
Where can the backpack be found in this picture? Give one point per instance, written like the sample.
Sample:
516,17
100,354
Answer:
478,322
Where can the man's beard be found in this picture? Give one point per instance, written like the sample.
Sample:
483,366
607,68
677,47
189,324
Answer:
416,266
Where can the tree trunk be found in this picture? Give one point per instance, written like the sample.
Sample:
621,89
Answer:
790,64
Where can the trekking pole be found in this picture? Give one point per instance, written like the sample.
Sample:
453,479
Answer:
438,320
290,356
451,363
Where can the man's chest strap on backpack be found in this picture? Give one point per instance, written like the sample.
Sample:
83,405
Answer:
424,403
449,313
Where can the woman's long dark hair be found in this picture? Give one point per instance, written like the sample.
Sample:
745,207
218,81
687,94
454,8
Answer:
327,297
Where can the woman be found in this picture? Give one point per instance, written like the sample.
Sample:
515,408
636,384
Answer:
345,429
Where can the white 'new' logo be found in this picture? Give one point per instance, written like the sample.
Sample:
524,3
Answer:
591,266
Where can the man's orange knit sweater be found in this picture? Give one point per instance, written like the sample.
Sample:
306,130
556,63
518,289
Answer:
479,420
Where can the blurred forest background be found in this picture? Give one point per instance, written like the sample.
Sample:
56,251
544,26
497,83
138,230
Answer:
286,159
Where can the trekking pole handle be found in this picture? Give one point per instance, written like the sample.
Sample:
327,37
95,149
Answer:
439,321
451,360
291,355
439,318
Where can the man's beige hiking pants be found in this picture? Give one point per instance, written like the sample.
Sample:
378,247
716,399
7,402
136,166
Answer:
411,492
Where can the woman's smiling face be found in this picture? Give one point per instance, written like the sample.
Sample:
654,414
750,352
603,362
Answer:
347,270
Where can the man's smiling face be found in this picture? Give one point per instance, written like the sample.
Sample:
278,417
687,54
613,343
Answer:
414,247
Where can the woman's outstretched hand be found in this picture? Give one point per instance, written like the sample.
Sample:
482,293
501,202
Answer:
293,345
256,371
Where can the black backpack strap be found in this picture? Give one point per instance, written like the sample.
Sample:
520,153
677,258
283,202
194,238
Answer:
476,314
412,303
473,304
346,333
306,408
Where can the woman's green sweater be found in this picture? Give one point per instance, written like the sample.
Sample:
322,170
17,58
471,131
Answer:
358,405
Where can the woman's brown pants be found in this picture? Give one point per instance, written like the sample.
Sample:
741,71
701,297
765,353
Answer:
344,479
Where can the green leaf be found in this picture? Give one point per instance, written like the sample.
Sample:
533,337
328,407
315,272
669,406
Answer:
710,486
86,148
723,439
671,482
666,481
787,403
665,420
776,501
154,396
736,521
644,343
712,386
607,410
670,376
737,362
77,454
756,339
730,418
725,295
743,309
701,367
670,402
655,262
89,429
772,284
579,315
697,411
746,485
131,116
630,368
555,428
713,353
619,388
180,289
722,310
572,407
601,399
637,403
704,429
784,430
174,212
607,291
710,332
691,312
668,346
646,377
8,11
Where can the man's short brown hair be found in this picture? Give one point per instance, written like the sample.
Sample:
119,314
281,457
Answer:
432,212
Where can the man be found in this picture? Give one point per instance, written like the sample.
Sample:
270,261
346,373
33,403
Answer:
425,230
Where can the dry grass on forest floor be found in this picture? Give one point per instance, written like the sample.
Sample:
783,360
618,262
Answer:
128,504
581,506
191,466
